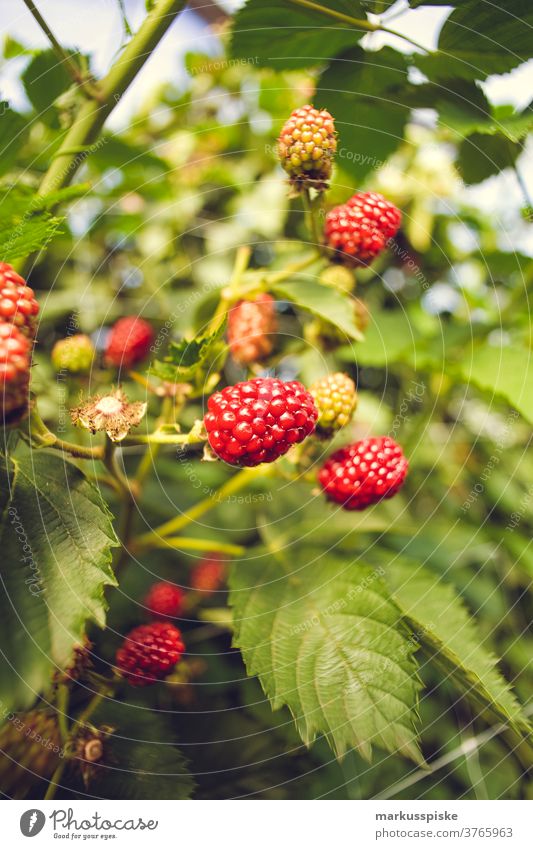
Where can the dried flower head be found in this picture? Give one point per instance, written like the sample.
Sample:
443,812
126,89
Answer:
112,413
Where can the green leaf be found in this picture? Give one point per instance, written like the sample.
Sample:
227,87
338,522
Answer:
13,131
322,301
481,156
448,634
283,34
26,223
367,93
185,359
481,39
506,372
141,758
44,80
389,338
55,538
322,636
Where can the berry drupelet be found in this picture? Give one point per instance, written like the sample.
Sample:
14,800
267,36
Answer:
361,474
258,420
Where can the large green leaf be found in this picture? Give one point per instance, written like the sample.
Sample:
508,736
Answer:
188,357
285,34
323,637
367,93
323,301
480,39
482,156
55,538
506,372
444,628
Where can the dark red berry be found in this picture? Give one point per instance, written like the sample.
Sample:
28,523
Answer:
17,301
128,342
164,599
251,328
15,360
361,474
149,653
208,576
358,230
258,420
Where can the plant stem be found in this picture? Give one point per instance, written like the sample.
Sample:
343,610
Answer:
237,482
357,23
230,293
312,223
56,778
62,700
295,267
163,438
193,544
92,115
41,434
66,60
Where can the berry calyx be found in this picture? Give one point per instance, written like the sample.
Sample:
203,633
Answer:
128,342
149,653
358,230
306,147
336,399
164,600
208,576
17,301
15,361
258,420
74,354
251,325
361,474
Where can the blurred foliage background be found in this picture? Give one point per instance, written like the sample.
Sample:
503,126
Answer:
151,228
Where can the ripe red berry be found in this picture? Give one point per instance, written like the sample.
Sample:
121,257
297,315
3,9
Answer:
306,147
361,474
15,360
17,301
258,420
208,576
128,342
149,653
358,230
164,599
251,325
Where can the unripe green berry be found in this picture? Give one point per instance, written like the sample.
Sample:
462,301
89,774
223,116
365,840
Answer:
339,277
336,399
74,354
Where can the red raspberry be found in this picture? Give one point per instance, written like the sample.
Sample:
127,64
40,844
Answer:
251,325
164,599
306,147
208,576
17,301
358,230
149,652
258,420
363,473
128,342
15,360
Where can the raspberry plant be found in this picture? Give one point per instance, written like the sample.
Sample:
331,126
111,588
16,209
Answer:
240,417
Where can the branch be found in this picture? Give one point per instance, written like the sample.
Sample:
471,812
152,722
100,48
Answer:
93,115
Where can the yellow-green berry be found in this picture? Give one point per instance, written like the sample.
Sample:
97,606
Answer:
74,354
306,147
336,399
339,277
